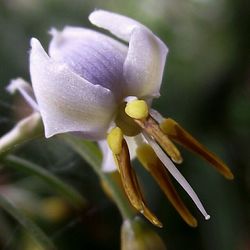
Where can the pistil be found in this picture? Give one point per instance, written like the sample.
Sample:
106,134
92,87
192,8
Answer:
151,162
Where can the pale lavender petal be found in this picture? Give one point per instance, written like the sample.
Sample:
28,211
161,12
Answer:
67,102
92,55
119,25
144,65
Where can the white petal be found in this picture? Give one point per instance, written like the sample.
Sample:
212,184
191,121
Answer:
67,102
177,175
25,90
108,163
132,145
119,25
133,142
144,65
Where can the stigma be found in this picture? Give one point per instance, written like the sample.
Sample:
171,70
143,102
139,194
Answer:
157,153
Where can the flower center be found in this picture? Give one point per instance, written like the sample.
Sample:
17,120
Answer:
125,122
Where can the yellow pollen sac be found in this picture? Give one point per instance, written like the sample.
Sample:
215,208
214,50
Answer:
114,140
137,109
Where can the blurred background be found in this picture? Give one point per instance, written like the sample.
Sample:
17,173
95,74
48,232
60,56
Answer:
206,87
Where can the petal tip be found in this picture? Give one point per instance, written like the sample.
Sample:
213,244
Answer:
34,42
13,85
48,133
53,32
94,15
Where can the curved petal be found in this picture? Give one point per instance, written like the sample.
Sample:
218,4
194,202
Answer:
92,55
67,102
144,65
119,25
133,142
25,90
108,163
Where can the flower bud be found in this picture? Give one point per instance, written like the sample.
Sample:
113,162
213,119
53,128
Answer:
137,235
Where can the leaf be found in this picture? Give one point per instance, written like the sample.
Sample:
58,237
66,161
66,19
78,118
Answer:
72,195
34,231
87,149
90,152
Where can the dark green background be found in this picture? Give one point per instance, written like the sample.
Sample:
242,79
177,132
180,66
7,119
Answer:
206,87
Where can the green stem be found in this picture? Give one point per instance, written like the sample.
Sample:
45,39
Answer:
90,152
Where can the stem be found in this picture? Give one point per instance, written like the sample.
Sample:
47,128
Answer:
90,152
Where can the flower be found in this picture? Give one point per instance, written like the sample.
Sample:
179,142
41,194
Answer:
102,88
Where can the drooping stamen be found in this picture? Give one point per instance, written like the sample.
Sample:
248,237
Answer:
181,136
150,126
177,175
151,162
138,110
128,176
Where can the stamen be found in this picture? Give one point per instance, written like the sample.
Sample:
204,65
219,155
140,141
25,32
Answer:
151,127
181,136
131,185
128,176
177,175
137,109
151,162
114,140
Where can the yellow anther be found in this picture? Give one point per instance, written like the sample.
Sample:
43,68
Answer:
114,140
137,109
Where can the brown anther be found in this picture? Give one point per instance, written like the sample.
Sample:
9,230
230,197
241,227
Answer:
131,185
151,127
178,134
151,162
